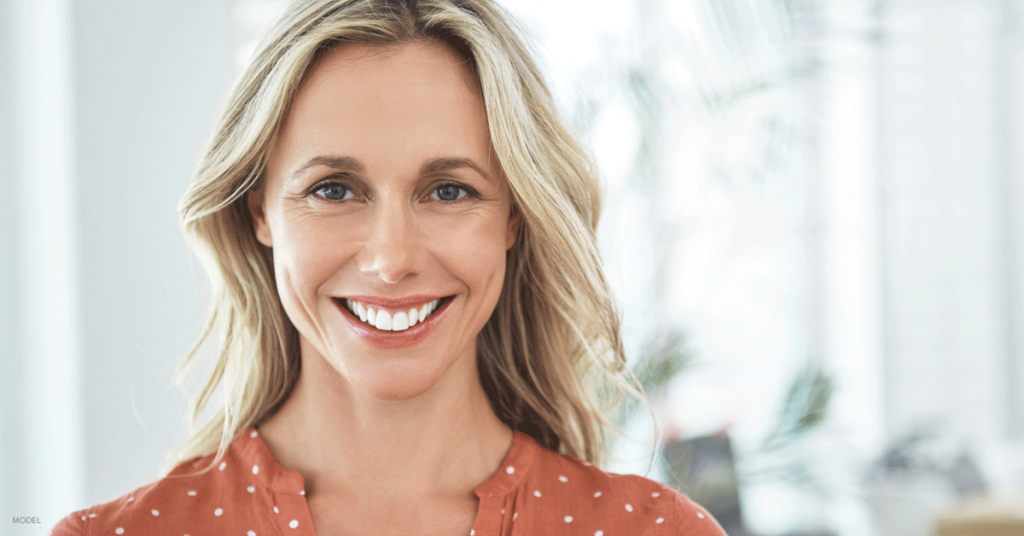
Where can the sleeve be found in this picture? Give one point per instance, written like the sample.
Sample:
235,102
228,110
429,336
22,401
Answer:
71,525
691,519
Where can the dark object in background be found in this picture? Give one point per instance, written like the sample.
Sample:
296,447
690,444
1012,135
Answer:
704,469
966,477
910,454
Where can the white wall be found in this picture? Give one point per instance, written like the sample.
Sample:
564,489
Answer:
950,208
41,424
149,76
11,448
104,107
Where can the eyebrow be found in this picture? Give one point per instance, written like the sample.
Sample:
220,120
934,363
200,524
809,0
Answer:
348,163
437,165
341,163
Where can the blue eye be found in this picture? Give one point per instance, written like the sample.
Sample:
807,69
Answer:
333,192
450,192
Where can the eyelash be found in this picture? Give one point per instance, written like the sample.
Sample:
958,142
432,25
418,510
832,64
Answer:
327,184
313,191
470,193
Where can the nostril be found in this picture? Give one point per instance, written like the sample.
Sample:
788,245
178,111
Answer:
390,279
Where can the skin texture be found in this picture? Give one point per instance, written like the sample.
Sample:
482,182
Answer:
389,441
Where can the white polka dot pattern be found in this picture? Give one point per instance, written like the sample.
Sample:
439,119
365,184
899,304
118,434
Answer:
556,486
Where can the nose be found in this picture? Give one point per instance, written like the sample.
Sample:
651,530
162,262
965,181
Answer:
391,249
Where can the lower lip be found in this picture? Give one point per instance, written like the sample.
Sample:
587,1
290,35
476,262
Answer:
393,339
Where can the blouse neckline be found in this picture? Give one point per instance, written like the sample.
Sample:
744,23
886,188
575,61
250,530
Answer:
271,474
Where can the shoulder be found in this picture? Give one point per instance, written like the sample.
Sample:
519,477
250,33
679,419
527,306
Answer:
616,503
190,497
135,510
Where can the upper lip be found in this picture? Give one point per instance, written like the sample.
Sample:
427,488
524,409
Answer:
405,301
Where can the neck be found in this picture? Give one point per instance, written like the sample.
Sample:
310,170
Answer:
445,441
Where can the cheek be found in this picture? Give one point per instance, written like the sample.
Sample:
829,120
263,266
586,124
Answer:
306,255
472,248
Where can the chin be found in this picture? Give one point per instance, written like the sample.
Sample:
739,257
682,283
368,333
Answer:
396,383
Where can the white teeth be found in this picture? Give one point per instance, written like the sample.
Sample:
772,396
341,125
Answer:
427,309
400,322
383,321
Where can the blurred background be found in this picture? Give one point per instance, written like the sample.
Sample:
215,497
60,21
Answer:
814,223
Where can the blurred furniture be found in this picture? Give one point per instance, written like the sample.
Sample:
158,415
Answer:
983,516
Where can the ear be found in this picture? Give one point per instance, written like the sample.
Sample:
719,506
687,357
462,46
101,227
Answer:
259,218
513,228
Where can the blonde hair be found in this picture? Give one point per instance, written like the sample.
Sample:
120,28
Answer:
550,358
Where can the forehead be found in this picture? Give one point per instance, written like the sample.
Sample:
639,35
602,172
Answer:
414,101
393,63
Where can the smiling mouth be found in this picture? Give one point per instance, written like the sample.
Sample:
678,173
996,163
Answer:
400,320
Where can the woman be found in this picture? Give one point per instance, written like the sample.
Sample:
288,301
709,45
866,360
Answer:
400,232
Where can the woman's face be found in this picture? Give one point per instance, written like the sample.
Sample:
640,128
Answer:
382,192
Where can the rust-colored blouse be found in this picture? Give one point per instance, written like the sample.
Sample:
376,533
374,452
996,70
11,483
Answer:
534,492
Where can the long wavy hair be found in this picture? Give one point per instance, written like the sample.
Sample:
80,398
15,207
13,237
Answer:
550,358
